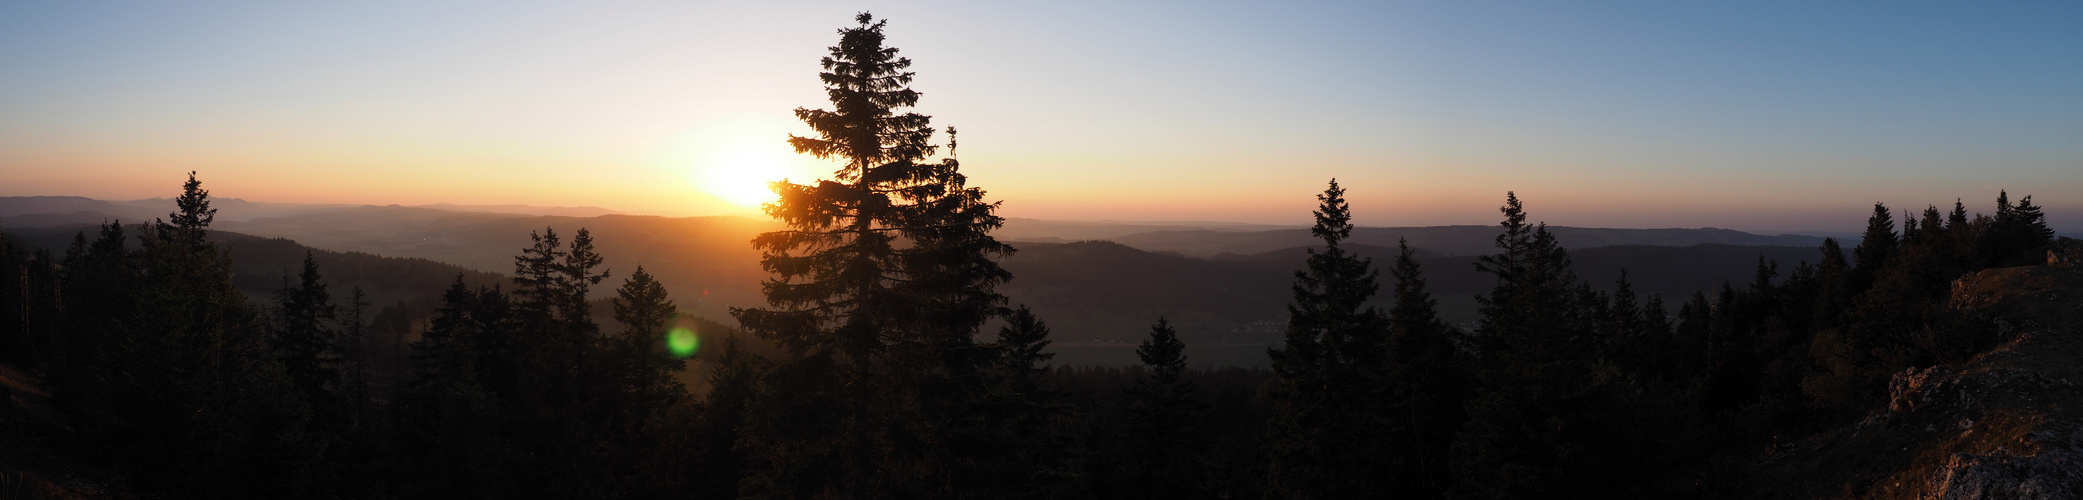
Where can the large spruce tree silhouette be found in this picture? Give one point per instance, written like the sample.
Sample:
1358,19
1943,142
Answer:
880,283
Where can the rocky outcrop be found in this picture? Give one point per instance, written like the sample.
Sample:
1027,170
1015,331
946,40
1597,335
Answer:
2067,252
2028,380
2005,423
2050,473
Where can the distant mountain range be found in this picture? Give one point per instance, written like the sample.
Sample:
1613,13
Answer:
260,264
1060,231
1109,290
1224,285
1448,240
37,211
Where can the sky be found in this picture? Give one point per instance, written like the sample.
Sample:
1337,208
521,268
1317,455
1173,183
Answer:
1759,116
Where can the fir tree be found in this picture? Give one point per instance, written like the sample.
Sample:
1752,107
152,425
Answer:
1662,365
1961,236
1532,306
450,421
1876,246
444,351
1428,381
722,461
190,224
17,340
1328,413
1834,289
1535,349
304,337
165,368
1017,439
644,371
575,282
2016,233
1164,437
353,344
882,279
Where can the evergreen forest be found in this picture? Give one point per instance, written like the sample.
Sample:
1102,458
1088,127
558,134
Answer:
886,362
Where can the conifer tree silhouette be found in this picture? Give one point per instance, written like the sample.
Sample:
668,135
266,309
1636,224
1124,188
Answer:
1426,383
1164,436
1327,428
640,371
304,337
882,279
1876,246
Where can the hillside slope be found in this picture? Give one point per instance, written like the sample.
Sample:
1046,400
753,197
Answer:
1449,240
260,264
2007,423
1099,297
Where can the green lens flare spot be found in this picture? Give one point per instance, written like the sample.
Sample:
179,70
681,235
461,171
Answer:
682,342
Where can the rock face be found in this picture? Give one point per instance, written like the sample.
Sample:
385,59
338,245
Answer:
2042,464
2048,474
2005,423
2027,380
1908,388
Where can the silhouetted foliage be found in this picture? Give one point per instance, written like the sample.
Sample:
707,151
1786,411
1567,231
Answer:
881,283
1426,382
1366,401
866,378
304,338
1165,440
165,369
1329,423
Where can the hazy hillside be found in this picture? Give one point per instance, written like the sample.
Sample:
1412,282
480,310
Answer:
1450,240
42,211
1099,296
1086,290
706,262
234,209
258,265
524,210
1063,231
39,211
1111,292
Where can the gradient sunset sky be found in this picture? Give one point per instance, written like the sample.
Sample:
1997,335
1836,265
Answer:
1761,116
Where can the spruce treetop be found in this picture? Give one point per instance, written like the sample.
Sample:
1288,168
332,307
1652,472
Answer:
1333,216
195,213
865,81
1163,353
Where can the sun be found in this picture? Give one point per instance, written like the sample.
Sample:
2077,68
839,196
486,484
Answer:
740,175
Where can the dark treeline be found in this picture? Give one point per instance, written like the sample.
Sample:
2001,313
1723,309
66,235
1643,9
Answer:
870,373
170,379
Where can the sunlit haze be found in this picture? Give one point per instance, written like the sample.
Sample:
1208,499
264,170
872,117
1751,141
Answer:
1782,116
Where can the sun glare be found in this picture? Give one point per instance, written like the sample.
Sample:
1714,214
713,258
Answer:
741,176
733,158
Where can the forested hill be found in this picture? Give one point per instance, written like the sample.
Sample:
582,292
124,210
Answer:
2002,423
52,211
259,265
708,263
1098,295
36,211
1450,240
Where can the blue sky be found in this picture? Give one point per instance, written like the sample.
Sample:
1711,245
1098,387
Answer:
1763,116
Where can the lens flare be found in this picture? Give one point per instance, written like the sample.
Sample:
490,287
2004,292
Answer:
682,342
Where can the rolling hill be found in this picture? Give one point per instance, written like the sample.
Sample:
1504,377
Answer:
1227,296
1449,240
